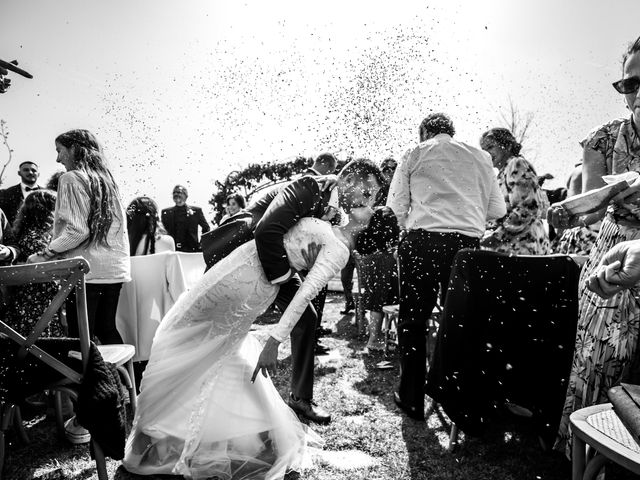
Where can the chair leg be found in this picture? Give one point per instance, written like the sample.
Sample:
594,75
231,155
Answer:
19,426
101,462
132,389
453,437
57,406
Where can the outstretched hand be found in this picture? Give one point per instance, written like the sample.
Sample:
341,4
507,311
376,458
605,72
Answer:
268,359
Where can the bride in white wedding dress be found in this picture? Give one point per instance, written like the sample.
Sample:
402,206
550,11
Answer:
199,415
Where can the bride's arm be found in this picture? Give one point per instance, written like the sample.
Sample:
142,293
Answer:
332,258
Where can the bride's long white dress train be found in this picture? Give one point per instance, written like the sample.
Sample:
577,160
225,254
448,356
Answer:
198,413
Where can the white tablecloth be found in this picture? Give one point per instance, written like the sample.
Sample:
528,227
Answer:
156,283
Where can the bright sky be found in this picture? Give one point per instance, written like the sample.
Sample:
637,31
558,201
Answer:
185,92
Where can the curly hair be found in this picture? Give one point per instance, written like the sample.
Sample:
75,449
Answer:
504,139
435,124
89,158
36,212
142,219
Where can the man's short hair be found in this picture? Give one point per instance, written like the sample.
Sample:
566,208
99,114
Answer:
435,124
327,161
362,168
29,162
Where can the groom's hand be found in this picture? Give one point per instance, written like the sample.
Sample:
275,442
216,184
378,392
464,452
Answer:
310,254
327,182
268,360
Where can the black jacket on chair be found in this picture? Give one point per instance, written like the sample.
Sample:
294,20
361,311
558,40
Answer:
507,335
189,237
10,200
267,220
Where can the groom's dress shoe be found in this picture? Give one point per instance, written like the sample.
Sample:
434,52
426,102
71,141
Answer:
411,412
309,410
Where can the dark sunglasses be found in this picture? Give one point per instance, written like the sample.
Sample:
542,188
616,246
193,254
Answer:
627,85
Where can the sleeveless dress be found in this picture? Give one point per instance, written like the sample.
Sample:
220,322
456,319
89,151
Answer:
607,333
198,413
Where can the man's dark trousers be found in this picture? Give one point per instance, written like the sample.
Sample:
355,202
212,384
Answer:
425,265
303,339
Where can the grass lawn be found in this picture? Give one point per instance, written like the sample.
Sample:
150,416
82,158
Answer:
368,438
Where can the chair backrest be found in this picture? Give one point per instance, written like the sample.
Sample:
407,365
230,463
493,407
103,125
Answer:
507,334
70,274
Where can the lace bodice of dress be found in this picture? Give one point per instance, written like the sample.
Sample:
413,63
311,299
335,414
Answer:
332,258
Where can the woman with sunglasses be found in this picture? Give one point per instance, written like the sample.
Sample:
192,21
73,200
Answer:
607,329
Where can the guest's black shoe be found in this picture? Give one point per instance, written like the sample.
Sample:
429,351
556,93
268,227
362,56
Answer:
321,350
411,412
321,331
309,410
348,307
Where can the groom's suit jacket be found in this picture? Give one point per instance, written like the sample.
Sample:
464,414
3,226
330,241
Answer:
267,220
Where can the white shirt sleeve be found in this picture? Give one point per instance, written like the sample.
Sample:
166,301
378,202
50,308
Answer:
332,258
497,206
399,198
72,214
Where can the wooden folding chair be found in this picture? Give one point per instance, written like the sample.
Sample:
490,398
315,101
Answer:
69,274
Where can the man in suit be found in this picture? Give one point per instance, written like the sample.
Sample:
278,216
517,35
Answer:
268,220
182,222
11,198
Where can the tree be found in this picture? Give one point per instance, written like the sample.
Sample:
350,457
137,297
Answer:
255,178
517,122
4,134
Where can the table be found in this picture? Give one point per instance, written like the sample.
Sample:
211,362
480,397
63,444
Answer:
601,429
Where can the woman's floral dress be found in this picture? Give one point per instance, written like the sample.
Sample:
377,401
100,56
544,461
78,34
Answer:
28,302
607,329
521,230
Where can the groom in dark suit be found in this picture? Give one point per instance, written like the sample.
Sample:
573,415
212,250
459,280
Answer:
268,220
11,198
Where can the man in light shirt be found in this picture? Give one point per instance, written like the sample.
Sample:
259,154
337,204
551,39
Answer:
443,192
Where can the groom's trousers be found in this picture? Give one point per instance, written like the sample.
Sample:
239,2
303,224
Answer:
302,341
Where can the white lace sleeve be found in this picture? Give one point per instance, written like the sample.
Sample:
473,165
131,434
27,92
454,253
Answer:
332,258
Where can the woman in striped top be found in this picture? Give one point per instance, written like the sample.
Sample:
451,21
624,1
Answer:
89,221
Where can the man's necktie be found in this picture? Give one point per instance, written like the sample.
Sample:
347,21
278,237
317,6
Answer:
30,189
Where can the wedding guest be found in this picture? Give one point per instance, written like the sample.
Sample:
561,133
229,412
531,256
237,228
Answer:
32,232
324,164
522,230
235,204
11,198
52,183
378,271
89,221
8,249
609,327
146,235
443,192
578,240
182,220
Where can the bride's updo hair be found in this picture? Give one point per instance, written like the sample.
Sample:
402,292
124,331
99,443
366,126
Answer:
381,234
504,139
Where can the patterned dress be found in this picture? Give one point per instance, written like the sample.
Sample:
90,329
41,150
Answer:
521,230
28,302
607,329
